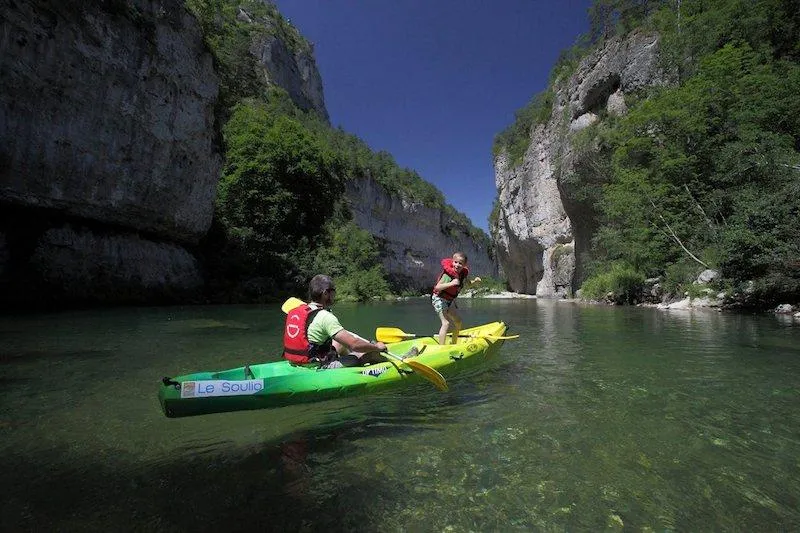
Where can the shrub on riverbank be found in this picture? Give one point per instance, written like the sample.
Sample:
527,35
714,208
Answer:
620,284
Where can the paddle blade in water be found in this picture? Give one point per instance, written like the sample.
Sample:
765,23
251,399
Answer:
427,372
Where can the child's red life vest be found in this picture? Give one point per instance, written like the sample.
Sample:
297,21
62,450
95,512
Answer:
296,346
449,294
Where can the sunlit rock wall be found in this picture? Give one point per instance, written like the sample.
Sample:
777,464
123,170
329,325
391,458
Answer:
539,235
293,69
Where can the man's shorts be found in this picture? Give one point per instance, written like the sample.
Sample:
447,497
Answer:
342,361
440,304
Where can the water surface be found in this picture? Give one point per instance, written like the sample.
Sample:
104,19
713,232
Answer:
597,418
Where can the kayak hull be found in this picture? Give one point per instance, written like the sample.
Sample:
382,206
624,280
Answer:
281,383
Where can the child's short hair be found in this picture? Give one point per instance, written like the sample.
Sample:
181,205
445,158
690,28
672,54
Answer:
462,255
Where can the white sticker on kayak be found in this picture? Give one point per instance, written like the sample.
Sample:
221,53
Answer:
374,371
220,387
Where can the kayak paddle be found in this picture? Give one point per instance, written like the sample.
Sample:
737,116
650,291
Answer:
387,334
429,373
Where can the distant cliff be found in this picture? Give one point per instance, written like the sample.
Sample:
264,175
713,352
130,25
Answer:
540,234
414,238
108,155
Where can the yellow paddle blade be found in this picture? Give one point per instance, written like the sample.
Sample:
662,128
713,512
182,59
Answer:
388,339
388,335
291,303
427,372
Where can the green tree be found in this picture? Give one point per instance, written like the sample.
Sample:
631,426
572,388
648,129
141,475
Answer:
352,257
707,171
278,184
608,18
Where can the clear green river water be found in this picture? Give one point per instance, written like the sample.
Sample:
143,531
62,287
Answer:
595,419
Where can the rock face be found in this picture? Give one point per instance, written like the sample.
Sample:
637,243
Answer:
539,234
106,122
78,262
285,58
294,70
415,238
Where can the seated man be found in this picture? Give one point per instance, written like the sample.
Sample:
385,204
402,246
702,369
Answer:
314,334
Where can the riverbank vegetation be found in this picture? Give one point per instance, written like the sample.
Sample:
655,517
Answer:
281,213
703,172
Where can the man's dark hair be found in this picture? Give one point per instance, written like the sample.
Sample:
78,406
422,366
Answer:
318,285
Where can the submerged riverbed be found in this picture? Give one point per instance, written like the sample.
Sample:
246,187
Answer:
596,418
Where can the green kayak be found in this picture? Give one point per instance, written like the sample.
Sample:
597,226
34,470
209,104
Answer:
278,384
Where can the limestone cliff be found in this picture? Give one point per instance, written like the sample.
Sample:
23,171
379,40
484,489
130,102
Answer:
414,237
107,147
286,59
540,235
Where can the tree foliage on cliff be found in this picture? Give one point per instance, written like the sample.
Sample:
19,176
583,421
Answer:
277,183
351,255
230,28
706,172
360,161
515,139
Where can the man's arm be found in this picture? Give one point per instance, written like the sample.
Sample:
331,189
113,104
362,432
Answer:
358,344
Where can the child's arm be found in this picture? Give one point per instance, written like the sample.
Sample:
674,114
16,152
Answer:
446,284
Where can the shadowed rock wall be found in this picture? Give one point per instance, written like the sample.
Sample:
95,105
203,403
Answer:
106,124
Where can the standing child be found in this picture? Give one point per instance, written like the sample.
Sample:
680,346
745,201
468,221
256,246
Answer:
451,281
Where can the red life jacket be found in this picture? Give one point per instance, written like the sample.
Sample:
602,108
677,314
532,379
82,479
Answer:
449,294
296,346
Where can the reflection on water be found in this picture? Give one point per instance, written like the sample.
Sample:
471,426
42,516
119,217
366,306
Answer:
596,418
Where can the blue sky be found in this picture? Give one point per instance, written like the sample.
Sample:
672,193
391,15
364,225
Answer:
433,81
